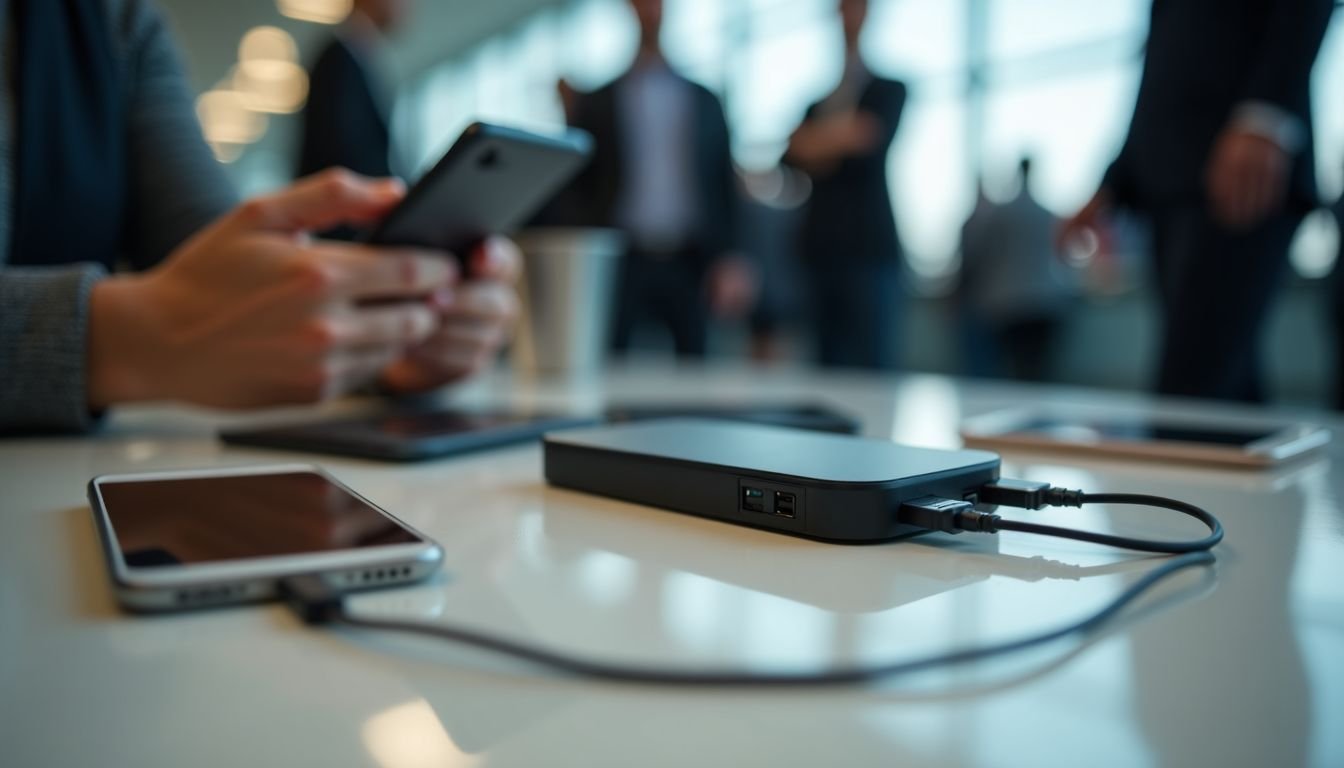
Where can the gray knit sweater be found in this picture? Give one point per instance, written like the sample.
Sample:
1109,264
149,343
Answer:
176,187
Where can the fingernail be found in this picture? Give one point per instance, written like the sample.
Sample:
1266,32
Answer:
443,298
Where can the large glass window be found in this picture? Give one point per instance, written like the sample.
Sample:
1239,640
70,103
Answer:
1057,82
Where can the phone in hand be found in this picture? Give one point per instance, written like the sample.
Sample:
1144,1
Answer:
491,181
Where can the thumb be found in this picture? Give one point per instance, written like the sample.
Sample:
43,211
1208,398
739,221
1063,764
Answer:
322,201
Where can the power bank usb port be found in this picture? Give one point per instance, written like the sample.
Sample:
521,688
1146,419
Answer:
753,499
785,504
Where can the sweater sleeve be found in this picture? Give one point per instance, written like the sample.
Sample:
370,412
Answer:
177,187
43,336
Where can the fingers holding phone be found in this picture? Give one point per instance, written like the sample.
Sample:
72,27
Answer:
492,180
475,320
252,311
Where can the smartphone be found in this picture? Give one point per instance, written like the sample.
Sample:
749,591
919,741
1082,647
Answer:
491,181
191,539
1245,443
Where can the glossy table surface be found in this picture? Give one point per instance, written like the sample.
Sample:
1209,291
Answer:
1242,664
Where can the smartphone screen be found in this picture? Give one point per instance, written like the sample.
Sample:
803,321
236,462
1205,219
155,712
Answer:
1139,431
182,521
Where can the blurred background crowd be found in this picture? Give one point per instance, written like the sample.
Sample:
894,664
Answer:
875,184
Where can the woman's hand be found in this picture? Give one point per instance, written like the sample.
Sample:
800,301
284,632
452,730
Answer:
476,319
252,311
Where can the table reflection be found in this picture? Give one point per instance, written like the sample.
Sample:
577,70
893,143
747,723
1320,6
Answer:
1253,683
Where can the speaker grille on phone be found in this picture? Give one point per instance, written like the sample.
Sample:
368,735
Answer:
207,595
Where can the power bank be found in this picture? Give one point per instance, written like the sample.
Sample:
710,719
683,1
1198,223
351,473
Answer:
830,487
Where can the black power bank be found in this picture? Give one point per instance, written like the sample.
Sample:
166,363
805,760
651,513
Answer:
830,487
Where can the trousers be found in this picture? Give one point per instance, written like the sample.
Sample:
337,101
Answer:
1216,287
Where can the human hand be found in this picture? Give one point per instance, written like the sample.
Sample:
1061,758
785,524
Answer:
821,143
1247,178
1090,219
476,319
252,311
732,283
857,132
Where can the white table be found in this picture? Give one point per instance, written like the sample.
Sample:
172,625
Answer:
1240,666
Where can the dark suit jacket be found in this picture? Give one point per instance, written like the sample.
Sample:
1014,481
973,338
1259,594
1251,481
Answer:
597,192
1205,57
343,124
849,217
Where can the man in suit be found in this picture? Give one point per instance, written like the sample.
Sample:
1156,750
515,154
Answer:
662,172
1219,156
345,121
850,245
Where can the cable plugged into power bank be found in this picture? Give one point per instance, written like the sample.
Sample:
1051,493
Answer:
957,515
317,602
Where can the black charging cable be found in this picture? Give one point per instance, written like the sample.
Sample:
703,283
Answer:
316,602
958,515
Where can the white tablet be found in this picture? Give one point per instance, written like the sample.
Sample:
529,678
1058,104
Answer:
1245,442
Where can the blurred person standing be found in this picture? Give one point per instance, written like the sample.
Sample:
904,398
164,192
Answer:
851,251
1013,283
1219,156
662,173
346,121
1335,304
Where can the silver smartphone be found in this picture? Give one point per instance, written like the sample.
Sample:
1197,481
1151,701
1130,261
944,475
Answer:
1233,442
189,539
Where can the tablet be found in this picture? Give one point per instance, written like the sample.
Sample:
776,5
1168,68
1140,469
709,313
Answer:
1241,442
408,435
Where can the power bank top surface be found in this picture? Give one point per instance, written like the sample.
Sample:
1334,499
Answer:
749,448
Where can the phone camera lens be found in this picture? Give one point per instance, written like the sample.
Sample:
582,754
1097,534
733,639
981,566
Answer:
489,158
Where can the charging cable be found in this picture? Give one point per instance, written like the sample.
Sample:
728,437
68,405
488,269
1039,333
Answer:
317,602
958,515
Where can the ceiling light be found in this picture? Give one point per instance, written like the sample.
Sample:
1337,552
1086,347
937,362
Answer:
226,119
320,11
267,44
279,87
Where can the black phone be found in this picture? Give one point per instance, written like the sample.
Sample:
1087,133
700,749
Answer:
491,181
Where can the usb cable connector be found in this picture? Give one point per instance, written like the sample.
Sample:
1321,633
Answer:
1026,494
936,513
947,515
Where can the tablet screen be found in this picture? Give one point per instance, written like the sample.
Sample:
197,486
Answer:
1139,431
